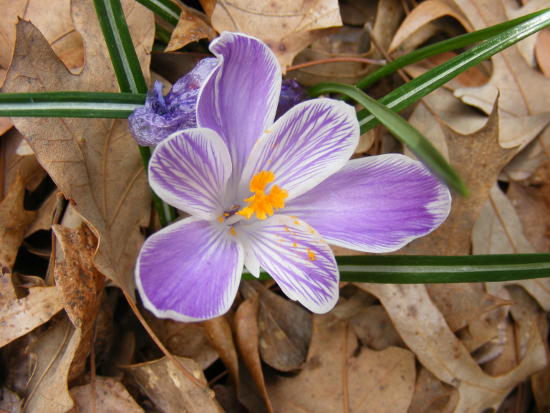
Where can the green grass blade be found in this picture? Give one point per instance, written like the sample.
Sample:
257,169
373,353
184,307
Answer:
128,72
405,132
413,91
441,47
166,9
121,49
70,104
416,89
419,269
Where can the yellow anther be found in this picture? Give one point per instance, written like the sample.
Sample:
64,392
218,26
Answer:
310,255
294,244
232,231
220,219
260,203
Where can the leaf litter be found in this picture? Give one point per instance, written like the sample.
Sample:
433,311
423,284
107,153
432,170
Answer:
74,205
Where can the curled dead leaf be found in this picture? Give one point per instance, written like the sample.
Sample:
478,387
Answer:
286,27
94,162
172,391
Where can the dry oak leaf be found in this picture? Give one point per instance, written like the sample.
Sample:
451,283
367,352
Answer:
337,379
18,159
532,203
522,90
287,27
247,334
478,158
19,316
54,350
14,221
425,331
106,395
218,331
94,162
52,18
170,390
192,26
285,331
500,223
423,14
498,229
80,284
184,339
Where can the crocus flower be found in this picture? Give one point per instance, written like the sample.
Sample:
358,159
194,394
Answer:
163,115
292,93
272,195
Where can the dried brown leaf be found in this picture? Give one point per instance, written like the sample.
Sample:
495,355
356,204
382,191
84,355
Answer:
5,124
482,150
431,395
170,390
285,26
532,203
522,90
94,162
285,330
421,15
80,284
14,221
10,401
18,159
498,229
246,331
191,27
427,334
54,350
220,336
542,51
52,18
337,379
460,304
19,316
106,395
184,339
45,215
375,329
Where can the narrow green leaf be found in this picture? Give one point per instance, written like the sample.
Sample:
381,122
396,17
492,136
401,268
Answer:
166,9
416,89
441,47
421,269
128,72
413,91
70,104
405,132
121,49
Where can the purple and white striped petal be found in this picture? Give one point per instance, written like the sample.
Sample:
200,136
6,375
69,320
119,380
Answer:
240,98
375,204
189,170
189,270
296,257
307,144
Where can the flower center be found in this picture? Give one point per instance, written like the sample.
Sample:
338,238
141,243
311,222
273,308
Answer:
261,203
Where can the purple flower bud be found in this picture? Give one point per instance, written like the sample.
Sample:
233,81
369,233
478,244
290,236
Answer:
164,115
291,94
